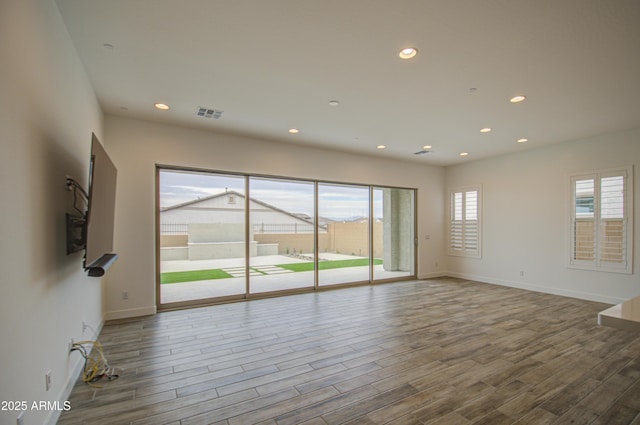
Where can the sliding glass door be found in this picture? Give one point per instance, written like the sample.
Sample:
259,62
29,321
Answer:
282,234
201,235
225,236
344,249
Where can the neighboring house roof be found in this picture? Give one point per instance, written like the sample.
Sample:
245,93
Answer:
302,217
196,201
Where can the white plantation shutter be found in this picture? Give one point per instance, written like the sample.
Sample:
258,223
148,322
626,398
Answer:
612,240
601,234
584,212
455,231
471,224
464,222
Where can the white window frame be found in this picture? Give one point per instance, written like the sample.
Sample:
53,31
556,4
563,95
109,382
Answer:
463,246
598,263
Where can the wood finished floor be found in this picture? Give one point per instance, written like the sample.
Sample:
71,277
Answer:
442,351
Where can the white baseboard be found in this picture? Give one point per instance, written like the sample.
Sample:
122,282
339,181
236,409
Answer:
432,275
539,288
132,312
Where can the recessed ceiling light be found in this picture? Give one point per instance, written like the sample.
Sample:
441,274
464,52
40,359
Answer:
485,130
517,99
427,147
523,140
381,147
162,106
464,153
334,102
408,53
294,131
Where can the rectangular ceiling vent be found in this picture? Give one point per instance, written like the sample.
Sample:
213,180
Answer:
422,152
209,113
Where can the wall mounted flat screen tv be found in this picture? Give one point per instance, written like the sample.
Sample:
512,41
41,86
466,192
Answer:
99,255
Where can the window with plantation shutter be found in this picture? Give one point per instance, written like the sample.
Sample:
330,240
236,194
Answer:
601,228
464,222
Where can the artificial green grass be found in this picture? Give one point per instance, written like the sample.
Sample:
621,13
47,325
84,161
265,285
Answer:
194,275
326,265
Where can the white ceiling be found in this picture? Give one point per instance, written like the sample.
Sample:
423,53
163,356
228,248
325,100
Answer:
271,65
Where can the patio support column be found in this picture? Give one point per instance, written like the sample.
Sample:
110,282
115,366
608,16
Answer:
397,235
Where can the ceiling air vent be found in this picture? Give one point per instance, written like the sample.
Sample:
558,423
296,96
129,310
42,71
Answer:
209,113
422,152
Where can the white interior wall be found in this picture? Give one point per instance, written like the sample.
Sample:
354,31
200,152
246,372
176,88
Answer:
136,147
47,113
526,217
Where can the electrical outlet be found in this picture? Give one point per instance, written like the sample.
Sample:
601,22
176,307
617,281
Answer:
84,326
125,295
47,381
